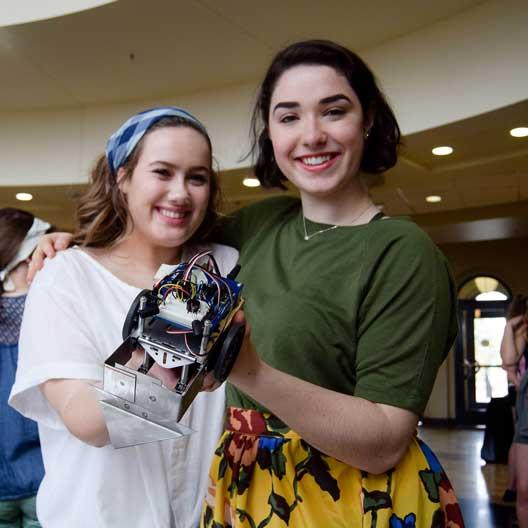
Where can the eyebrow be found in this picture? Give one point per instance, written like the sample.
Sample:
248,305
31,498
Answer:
326,100
168,164
334,98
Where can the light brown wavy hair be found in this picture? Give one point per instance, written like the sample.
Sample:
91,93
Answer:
102,212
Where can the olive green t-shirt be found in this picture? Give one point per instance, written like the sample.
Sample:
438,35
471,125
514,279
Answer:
365,310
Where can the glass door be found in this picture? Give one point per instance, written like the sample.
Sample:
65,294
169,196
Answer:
479,375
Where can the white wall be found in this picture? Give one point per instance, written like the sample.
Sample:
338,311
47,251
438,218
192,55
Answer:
59,146
441,404
464,66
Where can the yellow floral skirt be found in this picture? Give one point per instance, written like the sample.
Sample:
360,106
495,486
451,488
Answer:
264,475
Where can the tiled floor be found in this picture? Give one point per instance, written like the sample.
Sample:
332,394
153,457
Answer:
479,486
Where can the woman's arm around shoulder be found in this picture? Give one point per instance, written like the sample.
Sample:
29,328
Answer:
238,227
47,247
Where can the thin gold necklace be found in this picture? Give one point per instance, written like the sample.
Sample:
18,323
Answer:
308,237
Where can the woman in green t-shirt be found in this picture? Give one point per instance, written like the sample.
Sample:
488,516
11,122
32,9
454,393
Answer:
351,315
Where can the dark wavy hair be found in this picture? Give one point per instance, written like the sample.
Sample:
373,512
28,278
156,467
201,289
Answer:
380,152
102,212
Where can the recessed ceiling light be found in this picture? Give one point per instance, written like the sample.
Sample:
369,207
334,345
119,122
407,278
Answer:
24,197
250,182
433,198
442,151
519,132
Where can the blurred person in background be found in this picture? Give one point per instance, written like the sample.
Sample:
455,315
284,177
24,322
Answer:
513,354
21,468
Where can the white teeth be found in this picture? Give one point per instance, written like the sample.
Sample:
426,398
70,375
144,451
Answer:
172,214
316,160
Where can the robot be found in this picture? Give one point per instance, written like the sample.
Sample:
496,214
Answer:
183,325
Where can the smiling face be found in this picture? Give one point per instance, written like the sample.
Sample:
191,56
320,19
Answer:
168,192
316,126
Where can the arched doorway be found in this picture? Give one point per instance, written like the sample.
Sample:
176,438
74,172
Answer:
482,302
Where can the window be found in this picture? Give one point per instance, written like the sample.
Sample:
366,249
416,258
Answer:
484,288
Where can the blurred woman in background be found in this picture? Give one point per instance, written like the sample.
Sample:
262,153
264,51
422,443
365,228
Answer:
513,353
21,468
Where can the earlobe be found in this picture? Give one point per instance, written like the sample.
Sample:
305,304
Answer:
367,129
368,123
122,180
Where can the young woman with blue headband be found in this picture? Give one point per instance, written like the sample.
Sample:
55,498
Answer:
151,201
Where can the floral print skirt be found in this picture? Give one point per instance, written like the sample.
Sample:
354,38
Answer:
264,474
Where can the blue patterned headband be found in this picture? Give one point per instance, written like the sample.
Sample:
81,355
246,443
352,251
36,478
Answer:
124,140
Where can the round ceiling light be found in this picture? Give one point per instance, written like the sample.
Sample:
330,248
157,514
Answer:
24,197
442,151
433,198
519,132
250,182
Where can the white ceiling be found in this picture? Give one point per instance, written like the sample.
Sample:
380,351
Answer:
16,12
488,165
134,49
